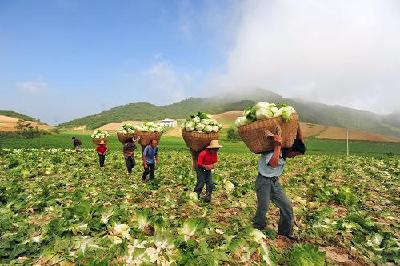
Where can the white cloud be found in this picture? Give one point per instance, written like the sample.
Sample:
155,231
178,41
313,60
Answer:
32,87
165,83
334,51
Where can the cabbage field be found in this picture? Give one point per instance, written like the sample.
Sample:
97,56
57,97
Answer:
58,207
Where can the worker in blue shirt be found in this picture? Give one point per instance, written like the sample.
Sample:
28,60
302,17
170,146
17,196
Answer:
150,159
268,188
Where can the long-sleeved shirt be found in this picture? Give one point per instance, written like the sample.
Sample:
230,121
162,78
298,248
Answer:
101,148
206,158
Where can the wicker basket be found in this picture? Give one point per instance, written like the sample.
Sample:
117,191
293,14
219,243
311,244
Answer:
257,137
97,141
146,137
197,141
123,138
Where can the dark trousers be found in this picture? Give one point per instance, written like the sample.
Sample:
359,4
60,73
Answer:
267,189
102,159
130,163
204,177
148,170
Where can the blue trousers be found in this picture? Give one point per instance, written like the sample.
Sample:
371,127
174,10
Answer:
268,189
204,177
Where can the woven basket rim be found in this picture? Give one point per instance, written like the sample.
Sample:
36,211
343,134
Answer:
126,134
259,121
198,132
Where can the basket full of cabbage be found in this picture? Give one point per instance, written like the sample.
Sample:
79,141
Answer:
99,135
148,131
260,122
199,129
126,132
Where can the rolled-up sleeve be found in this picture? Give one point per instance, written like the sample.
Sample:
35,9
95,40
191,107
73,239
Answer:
268,157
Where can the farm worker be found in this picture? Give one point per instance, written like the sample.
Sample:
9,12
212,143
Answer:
150,159
195,155
77,144
270,167
205,163
128,150
101,151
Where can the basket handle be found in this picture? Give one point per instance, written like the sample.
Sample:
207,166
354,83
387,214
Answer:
278,131
268,133
135,139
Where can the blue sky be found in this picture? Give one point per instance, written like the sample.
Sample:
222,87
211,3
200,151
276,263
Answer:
63,59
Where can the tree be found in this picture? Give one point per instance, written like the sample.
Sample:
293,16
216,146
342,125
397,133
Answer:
26,129
232,134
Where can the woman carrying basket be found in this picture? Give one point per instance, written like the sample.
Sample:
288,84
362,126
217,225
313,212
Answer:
270,167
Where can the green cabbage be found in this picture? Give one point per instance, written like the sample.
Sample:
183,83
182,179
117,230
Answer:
264,110
201,122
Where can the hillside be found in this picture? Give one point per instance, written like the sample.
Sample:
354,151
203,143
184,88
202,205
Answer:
310,112
393,119
145,111
227,119
13,114
8,123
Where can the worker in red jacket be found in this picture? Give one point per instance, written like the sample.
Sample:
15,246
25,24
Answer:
205,163
101,151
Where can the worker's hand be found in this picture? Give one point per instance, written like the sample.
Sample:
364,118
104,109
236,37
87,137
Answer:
144,164
209,167
278,140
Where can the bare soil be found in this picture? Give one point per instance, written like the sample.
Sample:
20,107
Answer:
8,124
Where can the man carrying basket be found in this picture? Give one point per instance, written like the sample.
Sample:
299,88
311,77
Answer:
128,150
150,159
270,167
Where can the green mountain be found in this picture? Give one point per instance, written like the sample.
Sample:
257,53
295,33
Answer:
393,119
143,111
311,112
13,114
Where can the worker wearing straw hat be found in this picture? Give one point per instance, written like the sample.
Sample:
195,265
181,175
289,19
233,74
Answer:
205,163
101,151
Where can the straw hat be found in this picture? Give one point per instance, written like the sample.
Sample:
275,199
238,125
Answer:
102,142
214,145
